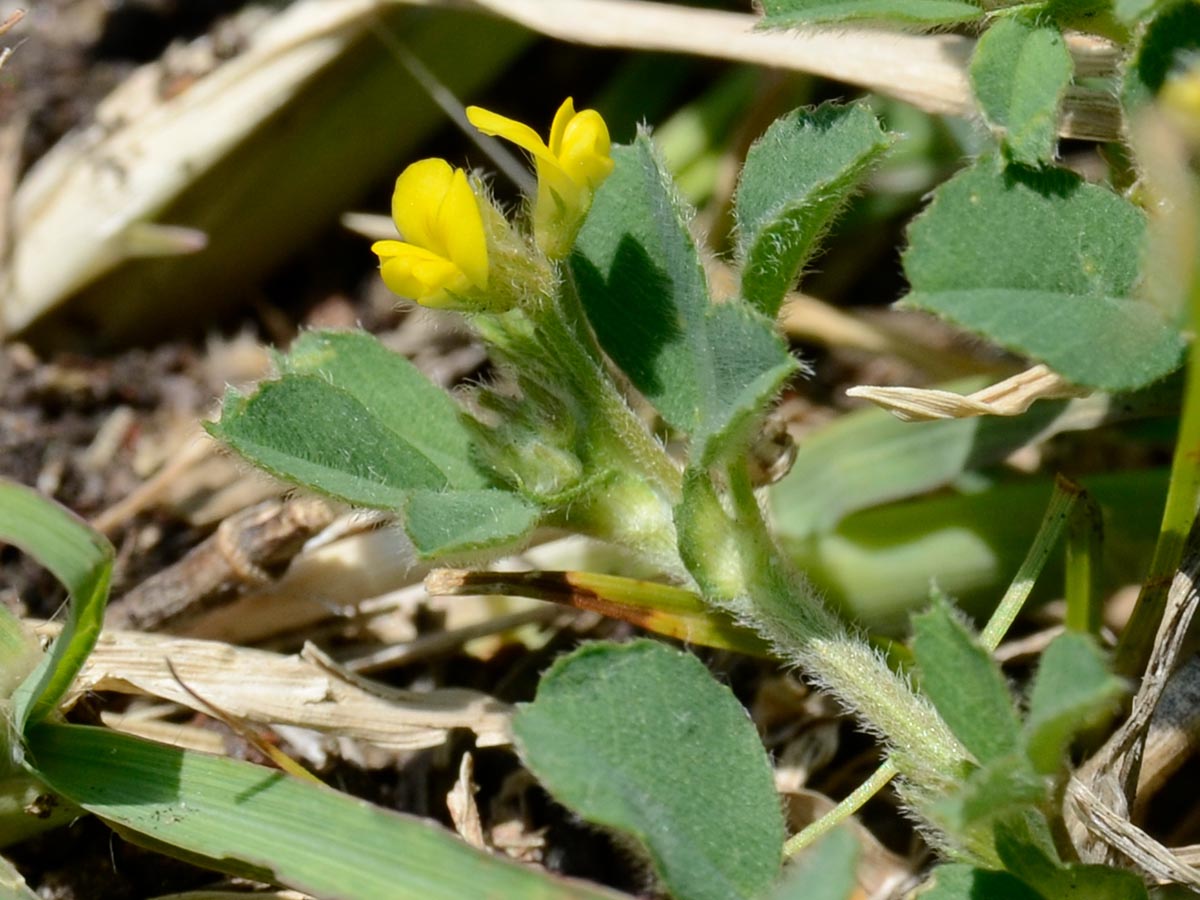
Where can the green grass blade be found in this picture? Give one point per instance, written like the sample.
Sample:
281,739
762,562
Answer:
1084,557
82,560
1058,512
250,820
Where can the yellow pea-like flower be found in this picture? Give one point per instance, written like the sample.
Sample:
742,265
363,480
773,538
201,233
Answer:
443,259
569,168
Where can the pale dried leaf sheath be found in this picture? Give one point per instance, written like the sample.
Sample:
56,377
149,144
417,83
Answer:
928,71
92,191
269,688
1010,397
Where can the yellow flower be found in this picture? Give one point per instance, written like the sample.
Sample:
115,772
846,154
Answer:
443,259
569,169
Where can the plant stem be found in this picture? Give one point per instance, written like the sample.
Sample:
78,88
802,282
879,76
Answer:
1058,513
853,802
1062,502
580,358
784,609
1137,640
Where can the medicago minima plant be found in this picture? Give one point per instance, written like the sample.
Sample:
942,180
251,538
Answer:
596,308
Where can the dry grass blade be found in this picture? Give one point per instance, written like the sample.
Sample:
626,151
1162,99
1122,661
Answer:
270,688
1010,397
1100,795
928,71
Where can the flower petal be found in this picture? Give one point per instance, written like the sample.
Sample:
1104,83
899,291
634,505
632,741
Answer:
585,153
562,118
511,130
460,227
418,196
415,272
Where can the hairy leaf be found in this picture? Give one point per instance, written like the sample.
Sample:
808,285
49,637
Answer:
1020,71
965,684
640,738
708,369
1072,688
393,391
1043,264
446,523
304,430
797,178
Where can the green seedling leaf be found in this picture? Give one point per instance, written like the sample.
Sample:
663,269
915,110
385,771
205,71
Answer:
708,369
81,559
20,651
446,523
825,871
395,392
262,824
1026,847
1020,71
304,430
1167,46
965,684
905,13
640,738
962,882
1072,689
1043,264
797,178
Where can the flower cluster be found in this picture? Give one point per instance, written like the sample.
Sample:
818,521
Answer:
443,259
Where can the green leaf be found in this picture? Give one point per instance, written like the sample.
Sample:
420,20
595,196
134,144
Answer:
446,523
1072,689
1019,72
962,882
1007,784
81,559
352,419
797,178
906,13
265,825
1043,264
20,651
825,871
747,363
965,684
395,392
640,738
304,430
706,368
1167,46
1026,847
